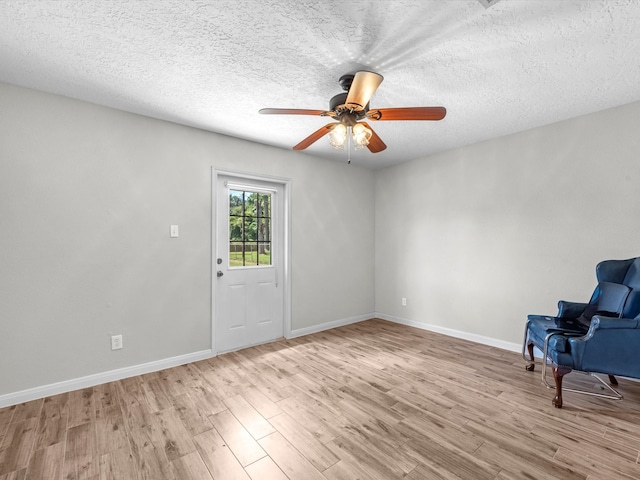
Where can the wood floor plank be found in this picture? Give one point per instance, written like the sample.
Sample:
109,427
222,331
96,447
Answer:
277,384
17,475
530,466
258,400
131,392
192,418
571,438
428,428
6,414
151,462
442,457
625,439
378,405
106,397
290,461
190,467
80,457
265,469
600,467
110,429
218,458
206,400
27,411
372,428
504,447
189,375
616,419
315,384
313,450
224,379
393,463
46,463
241,443
249,417
349,469
273,392
325,427
171,382
171,434
118,464
82,407
155,393
17,445
52,426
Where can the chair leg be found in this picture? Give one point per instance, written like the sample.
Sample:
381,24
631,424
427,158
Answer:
531,367
558,373
612,380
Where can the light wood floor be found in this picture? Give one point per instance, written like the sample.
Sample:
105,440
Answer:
370,401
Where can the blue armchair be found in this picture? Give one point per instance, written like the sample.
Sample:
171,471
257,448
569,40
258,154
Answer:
599,336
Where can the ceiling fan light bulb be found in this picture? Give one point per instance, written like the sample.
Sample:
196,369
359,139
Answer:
361,136
338,136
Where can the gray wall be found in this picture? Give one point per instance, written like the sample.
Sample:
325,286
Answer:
87,195
474,238
477,237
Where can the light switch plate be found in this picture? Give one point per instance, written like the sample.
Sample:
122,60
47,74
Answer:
174,231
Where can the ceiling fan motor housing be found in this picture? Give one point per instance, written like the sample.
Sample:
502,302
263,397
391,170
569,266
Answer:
337,100
337,104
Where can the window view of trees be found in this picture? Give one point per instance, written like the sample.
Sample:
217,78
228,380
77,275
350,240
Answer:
249,228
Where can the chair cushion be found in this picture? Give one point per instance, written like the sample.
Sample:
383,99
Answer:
609,299
541,326
559,350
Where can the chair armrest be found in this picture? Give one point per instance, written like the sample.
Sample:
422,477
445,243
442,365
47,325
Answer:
599,322
610,346
570,309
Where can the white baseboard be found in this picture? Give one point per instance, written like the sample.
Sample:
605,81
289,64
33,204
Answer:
99,378
113,375
329,325
492,342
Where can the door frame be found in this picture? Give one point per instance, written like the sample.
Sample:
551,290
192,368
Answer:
285,184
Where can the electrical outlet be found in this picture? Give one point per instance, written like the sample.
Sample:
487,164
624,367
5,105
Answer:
116,342
404,302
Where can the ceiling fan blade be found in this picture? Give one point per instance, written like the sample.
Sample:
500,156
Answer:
410,113
375,142
362,88
294,111
315,136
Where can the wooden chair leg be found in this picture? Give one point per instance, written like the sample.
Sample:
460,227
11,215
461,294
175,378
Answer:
558,373
531,367
612,380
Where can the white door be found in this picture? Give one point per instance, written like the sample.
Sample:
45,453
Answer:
249,294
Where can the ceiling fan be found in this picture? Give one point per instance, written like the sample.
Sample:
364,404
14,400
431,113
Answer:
350,109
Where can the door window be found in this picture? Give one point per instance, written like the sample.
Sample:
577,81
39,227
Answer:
250,228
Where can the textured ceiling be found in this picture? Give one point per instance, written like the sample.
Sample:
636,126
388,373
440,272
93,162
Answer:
213,64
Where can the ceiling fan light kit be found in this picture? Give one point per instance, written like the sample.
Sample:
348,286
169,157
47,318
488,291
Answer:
338,136
361,135
358,133
350,109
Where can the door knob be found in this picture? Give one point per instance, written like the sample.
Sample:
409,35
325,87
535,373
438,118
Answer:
219,273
